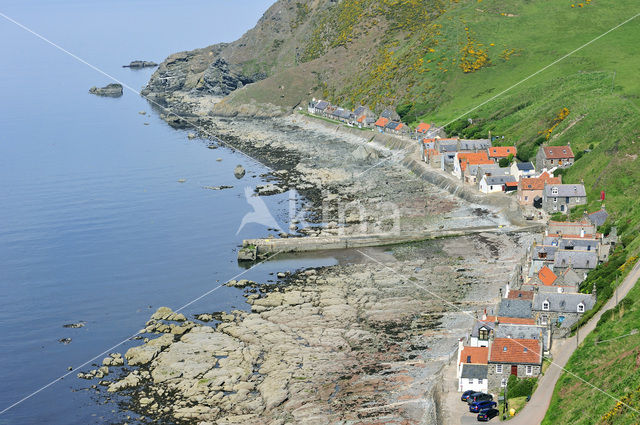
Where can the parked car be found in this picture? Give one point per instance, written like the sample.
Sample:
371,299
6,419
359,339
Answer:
466,394
477,406
479,397
487,414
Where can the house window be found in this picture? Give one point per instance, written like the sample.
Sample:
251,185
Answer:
483,334
545,305
554,190
555,199
498,368
526,198
470,380
503,383
543,319
567,199
479,381
529,370
580,308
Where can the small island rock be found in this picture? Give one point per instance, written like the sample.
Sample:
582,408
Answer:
110,90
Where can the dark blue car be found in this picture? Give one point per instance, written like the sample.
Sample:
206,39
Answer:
477,406
487,414
466,394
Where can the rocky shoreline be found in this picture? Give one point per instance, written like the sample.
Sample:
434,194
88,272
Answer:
358,343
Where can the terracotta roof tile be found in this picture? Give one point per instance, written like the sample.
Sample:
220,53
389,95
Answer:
524,295
516,351
557,152
502,151
537,183
547,277
382,121
512,320
423,127
473,158
475,355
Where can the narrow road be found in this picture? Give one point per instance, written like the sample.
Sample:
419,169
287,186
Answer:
535,411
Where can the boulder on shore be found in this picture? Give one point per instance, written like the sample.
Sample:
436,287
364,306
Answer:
110,90
239,172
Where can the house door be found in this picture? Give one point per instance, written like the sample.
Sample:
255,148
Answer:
514,369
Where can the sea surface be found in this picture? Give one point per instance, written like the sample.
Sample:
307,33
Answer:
103,214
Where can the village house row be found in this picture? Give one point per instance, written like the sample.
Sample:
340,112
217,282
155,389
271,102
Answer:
543,300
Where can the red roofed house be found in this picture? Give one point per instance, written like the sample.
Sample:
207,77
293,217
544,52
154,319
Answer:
422,128
464,159
511,356
554,156
381,123
546,276
530,188
473,368
496,153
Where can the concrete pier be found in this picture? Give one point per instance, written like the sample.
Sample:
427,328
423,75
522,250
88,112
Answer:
265,247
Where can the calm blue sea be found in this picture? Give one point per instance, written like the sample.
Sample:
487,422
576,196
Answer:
94,225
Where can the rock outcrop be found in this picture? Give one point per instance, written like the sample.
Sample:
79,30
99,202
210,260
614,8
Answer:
110,90
140,64
239,172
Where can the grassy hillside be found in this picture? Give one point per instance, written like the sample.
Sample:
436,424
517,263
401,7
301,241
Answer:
611,366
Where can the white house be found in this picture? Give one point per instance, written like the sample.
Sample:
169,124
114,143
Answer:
490,184
471,355
522,170
474,377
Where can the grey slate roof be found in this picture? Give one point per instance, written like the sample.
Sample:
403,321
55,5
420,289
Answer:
474,371
499,180
342,113
514,308
563,302
572,243
359,111
522,332
387,113
599,217
569,278
550,252
490,168
393,125
480,324
322,105
525,166
476,144
576,259
565,190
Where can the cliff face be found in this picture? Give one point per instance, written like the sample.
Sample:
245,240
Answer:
220,69
302,48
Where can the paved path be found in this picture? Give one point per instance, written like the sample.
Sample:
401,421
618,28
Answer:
536,409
